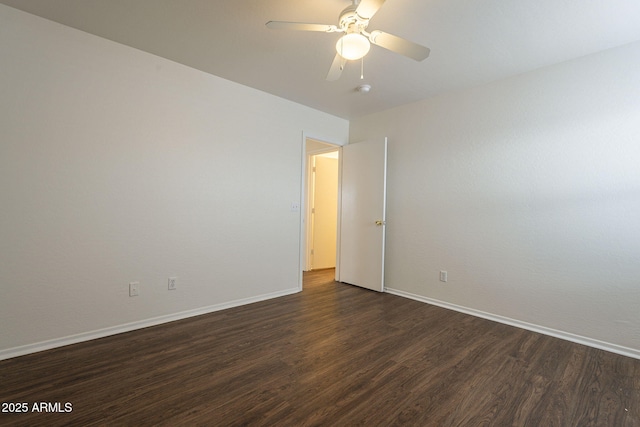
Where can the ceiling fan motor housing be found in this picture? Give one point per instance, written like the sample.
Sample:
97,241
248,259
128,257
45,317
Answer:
351,22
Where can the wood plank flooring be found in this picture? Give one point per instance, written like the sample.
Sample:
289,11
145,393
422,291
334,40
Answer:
332,355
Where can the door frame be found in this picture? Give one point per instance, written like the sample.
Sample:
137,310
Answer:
309,201
304,200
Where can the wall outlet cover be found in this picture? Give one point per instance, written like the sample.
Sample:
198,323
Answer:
134,289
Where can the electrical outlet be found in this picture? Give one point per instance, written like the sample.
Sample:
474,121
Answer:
134,289
443,276
172,283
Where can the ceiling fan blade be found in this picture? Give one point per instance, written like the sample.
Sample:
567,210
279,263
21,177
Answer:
301,26
367,8
399,45
336,68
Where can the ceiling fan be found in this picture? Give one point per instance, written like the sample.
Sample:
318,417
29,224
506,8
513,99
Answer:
356,42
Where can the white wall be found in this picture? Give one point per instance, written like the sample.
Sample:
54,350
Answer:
119,166
527,191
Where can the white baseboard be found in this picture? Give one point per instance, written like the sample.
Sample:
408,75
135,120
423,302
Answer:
127,327
100,333
602,345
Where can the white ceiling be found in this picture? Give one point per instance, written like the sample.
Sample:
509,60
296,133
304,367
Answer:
472,41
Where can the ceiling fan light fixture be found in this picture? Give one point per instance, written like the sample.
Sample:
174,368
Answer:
353,46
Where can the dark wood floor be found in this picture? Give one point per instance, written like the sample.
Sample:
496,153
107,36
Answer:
332,355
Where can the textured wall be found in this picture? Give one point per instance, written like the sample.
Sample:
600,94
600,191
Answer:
119,166
527,191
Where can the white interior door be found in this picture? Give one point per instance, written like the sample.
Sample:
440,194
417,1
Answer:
362,214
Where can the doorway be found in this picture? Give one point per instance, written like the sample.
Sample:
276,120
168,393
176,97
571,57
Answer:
360,215
321,205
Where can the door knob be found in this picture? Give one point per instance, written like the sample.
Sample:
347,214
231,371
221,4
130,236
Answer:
379,222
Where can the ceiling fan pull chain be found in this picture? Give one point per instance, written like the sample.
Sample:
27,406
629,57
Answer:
362,69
